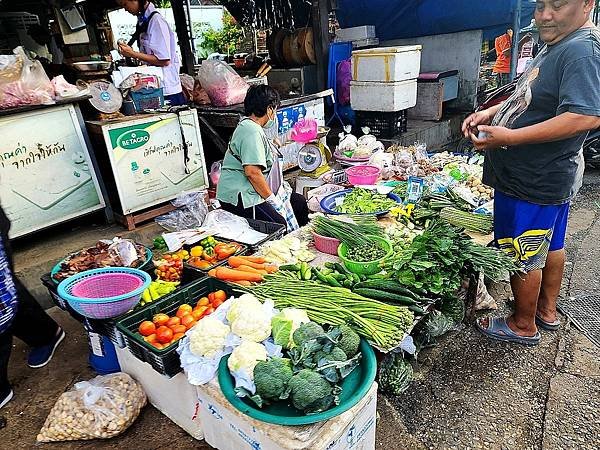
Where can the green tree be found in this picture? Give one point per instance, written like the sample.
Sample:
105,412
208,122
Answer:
225,40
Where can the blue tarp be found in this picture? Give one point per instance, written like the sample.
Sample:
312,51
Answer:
398,19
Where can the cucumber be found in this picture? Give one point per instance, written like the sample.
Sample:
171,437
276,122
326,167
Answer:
290,267
339,276
347,284
307,274
385,296
355,278
330,265
326,271
303,266
342,269
417,310
332,281
390,286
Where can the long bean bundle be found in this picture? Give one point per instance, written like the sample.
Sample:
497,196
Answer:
383,324
354,234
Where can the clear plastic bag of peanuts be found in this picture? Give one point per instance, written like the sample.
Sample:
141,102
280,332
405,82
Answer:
100,408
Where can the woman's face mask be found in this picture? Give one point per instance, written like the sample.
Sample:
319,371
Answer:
271,122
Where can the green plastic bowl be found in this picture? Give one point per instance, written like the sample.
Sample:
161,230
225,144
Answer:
365,268
354,387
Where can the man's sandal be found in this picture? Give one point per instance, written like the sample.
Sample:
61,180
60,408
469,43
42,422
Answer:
499,330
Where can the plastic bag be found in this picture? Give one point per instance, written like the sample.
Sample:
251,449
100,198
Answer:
23,82
305,130
232,227
215,172
123,250
316,195
192,210
187,83
384,161
344,77
222,84
64,89
101,408
199,95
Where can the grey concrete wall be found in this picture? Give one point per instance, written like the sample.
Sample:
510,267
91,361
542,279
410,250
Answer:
455,51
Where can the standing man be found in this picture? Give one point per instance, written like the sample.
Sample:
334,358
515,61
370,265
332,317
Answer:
501,68
534,161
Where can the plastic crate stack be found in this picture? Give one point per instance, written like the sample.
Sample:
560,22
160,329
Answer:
384,87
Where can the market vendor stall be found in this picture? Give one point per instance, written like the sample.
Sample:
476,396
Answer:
49,172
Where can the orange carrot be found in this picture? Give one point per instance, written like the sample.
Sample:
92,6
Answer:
270,268
236,261
243,283
227,274
212,273
244,268
254,259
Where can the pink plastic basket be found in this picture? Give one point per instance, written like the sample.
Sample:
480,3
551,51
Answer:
326,244
363,175
104,293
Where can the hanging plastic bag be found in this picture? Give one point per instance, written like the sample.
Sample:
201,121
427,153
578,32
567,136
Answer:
192,210
23,82
215,172
187,84
305,130
101,408
222,84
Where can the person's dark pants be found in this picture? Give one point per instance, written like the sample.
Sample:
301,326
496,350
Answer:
31,324
176,99
267,213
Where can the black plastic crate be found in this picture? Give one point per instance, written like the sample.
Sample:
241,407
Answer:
272,229
165,361
383,124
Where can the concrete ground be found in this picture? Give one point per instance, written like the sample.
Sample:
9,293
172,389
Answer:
470,393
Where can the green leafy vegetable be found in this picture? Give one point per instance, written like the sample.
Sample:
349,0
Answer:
365,201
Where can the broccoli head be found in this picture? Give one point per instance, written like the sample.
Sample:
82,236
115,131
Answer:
336,354
349,341
307,332
272,377
311,392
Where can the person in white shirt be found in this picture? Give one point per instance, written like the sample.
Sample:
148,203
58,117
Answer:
157,45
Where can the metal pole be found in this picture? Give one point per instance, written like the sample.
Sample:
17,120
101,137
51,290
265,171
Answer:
190,25
514,53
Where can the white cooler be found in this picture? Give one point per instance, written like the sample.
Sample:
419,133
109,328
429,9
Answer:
386,64
384,97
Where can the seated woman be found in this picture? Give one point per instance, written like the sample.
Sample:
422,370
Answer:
251,177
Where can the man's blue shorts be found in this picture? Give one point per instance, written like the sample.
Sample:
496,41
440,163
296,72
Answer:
527,231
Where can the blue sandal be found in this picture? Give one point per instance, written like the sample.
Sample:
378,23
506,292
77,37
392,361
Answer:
548,326
499,330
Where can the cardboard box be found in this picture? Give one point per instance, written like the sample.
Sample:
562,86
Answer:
175,397
225,428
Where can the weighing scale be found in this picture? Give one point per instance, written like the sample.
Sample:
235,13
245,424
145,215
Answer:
106,98
313,162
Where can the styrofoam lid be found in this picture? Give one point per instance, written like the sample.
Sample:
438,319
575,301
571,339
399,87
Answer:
401,49
379,84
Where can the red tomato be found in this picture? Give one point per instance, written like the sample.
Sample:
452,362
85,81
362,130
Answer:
177,336
160,319
183,310
211,297
179,329
164,335
158,345
187,320
173,322
147,328
217,303
209,310
203,302
220,295
150,339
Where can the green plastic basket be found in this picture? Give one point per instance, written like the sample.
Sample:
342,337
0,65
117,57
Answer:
365,268
354,387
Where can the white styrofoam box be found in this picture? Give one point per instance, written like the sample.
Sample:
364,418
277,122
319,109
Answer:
175,397
226,428
386,64
355,33
384,97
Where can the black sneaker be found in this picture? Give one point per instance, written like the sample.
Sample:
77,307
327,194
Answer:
40,356
5,397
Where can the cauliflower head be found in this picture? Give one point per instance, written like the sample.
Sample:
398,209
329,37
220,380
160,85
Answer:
246,356
244,305
208,337
285,323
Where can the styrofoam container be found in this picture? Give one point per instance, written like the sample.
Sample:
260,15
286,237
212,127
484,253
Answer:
384,97
226,428
386,64
175,397
355,33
